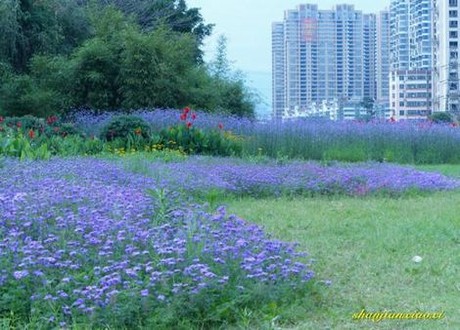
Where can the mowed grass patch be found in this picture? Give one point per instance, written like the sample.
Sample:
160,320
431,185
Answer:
446,169
365,247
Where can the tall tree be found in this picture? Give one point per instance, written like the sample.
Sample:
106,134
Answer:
29,27
150,14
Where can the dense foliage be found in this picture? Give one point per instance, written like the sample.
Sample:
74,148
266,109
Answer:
124,126
56,55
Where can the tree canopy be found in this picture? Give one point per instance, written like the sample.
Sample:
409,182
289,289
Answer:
111,54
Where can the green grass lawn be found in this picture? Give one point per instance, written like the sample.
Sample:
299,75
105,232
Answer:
365,247
446,169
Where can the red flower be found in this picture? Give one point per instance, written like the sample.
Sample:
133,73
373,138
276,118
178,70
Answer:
186,110
189,124
1,119
19,124
183,116
221,126
51,119
31,133
193,116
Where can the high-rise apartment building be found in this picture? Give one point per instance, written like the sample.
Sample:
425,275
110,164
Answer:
446,31
399,35
278,61
410,58
323,55
382,64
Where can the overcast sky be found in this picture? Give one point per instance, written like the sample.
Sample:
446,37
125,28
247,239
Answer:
247,26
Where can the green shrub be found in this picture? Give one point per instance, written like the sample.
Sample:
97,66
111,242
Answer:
21,95
125,126
74,145
62,129
442,117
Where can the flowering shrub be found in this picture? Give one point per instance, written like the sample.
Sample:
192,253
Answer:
193,140
78,245
51,126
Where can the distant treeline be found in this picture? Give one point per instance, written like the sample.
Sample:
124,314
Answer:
112,54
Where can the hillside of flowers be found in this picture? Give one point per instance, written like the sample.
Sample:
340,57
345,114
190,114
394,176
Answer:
94,241
83,241
103,222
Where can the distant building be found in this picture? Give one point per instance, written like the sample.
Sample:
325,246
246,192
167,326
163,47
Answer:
411,93
382,65
323,55
278,69
446,31
411,59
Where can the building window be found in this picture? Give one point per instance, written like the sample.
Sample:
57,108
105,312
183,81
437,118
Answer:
453,24
453,44
401,104
453,34
401,95
401,112
453,13
452,3
401,86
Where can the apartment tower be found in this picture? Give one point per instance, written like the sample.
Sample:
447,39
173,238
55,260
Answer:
323,55
411,59
446,30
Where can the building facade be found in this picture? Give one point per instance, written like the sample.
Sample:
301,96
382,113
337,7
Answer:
411,93
382,65
323,56
446,31
411,59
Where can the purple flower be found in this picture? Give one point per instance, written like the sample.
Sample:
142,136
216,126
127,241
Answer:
19,274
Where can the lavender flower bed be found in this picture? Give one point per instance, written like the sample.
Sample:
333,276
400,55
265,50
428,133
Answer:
78,241
235,176
92,123
410,142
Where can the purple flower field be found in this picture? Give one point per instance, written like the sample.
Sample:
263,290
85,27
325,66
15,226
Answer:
80,237
404,142
199,174
77,238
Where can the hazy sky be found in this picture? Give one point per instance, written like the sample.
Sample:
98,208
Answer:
247,26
